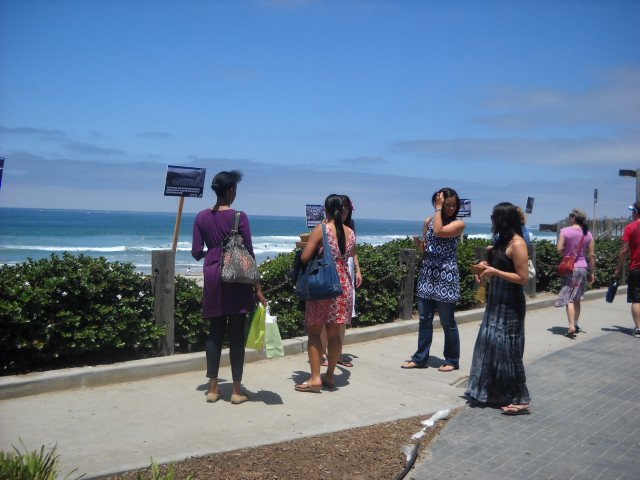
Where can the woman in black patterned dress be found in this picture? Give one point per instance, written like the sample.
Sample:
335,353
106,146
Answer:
497,372
439,280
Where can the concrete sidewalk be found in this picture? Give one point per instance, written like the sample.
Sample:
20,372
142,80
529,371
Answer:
116,427
585,422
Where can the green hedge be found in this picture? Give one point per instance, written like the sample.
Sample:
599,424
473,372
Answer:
73,309
78,310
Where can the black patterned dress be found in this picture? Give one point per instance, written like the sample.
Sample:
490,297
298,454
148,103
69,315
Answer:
438,278
497,371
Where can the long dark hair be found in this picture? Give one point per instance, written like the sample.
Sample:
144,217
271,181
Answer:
448,192
225,181
346,203
333,206
505,223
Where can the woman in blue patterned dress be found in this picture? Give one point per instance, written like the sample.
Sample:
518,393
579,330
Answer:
439,280
497,373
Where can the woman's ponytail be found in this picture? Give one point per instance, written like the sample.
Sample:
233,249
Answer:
333,205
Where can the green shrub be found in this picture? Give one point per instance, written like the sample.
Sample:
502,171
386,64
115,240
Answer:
278,288
378,298
468,254
76,310
190,329
73,309
547,259
36,465
606,260
547,279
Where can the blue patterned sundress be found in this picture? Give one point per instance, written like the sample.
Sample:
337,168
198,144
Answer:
438,278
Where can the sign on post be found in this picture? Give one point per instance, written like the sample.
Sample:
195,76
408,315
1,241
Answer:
314,214
1,169
465,208
529,207
183,182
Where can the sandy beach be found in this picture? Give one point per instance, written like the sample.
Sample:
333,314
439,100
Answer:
197,276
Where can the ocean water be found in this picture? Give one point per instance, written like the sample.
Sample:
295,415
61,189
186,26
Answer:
132,236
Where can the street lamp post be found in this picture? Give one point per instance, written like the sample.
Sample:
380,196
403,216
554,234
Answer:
632,173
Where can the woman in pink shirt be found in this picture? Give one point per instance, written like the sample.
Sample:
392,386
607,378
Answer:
576,240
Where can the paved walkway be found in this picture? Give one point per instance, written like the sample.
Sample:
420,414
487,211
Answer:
112,428
585,422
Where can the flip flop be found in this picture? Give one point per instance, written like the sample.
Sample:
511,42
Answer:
447,367
344,363
325,362
409,365
516,410
306,387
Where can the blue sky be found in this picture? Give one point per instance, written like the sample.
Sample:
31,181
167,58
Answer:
384,100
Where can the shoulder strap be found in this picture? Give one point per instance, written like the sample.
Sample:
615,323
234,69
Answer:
236,222
325,238
579,247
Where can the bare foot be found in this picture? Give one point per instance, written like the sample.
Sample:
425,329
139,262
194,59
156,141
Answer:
328,381
447,367
516,409
411,365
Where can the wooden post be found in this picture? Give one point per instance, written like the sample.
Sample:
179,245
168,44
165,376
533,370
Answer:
480,253
407,283
176,230
164,287
530,287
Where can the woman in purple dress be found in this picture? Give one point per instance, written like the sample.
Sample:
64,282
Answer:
224,305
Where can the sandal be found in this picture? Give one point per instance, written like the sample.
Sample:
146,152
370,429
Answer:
516,410
325,361
447,367
344,363
213,397
307,387
411,365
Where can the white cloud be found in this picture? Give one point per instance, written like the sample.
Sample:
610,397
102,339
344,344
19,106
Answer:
90,149
586,151
154,135
614,99
30,131
268,189
364,161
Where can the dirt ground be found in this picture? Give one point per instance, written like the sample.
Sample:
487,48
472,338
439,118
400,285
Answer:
370,453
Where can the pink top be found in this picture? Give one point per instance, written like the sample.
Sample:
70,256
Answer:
572,238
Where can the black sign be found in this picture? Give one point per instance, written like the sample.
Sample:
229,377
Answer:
465,208
314,214
184,181
529,207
